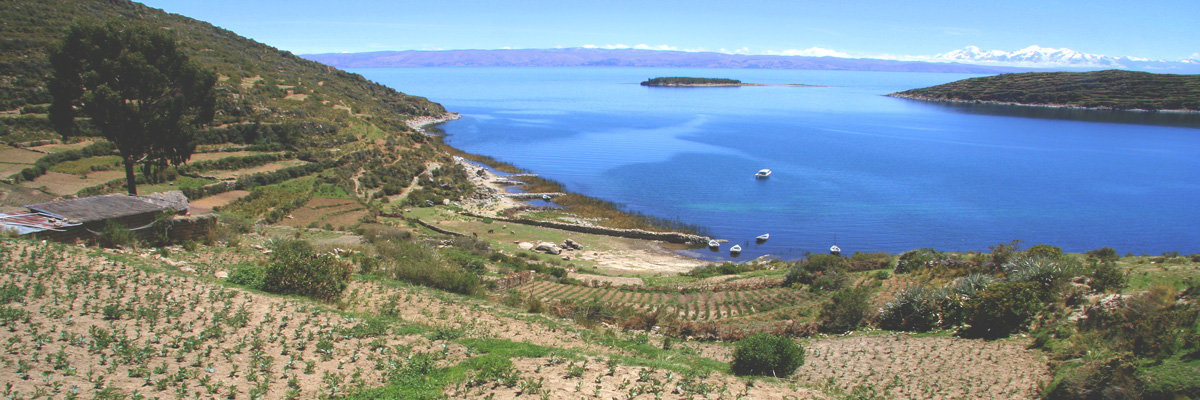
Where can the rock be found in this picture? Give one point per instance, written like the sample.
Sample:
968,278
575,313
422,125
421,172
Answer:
525,245
571,244
445,202
566,257
548,248
221,274
186,269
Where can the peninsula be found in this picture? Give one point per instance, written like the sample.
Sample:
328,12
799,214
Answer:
676,81
1106,90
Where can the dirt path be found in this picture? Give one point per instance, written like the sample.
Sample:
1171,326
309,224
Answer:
206,205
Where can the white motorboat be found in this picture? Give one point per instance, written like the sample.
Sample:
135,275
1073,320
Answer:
714,244
835,250
736,249
763,173
546,197
763,237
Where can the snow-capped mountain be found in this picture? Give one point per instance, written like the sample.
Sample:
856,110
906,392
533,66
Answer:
1037,56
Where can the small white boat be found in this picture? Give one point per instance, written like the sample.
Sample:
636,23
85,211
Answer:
763,237
546,197
763,173
835,250
736,249
714,244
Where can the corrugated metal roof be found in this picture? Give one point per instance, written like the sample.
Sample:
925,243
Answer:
25,223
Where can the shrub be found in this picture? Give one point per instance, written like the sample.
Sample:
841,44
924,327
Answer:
1044,251
1051,275
814,266
1002,308
845,310
1103,254
296,269
248,275
114,234
917,259
915,309
768,355
1107,277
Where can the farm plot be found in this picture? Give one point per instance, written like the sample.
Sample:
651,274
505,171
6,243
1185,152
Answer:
78,322
64,184
321,211
269,167
908,367
713,305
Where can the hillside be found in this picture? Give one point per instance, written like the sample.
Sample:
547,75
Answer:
257,82
1111,89
356,257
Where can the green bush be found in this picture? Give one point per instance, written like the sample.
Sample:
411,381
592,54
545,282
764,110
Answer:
915,309
813,267
768,355
1103,254
114,234
1108,277
1002,308
1044,251
845,310
249,275
917,259
296,269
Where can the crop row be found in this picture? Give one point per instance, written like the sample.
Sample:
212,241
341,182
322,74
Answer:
692,306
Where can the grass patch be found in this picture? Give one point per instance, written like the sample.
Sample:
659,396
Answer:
85,165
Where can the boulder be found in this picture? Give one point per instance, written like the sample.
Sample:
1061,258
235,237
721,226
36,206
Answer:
548,248
571,244
525,246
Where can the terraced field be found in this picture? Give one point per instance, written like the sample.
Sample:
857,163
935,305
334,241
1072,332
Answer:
747,304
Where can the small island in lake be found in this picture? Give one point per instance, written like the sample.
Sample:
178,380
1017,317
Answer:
1108,90
676,81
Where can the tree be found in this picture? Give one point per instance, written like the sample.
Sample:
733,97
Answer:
137,88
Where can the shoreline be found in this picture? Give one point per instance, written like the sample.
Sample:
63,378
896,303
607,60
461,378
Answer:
1052,106
420,123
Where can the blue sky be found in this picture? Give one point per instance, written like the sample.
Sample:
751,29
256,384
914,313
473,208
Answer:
1158,29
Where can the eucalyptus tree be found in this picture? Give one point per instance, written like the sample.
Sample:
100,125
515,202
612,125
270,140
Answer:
136,86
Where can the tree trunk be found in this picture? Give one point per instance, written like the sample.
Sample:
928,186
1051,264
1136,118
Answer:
130,179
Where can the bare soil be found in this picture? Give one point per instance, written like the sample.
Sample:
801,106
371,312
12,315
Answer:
64,184
207,204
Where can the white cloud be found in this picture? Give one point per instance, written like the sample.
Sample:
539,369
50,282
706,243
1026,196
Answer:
809,52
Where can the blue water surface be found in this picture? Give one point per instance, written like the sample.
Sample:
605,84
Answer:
869,172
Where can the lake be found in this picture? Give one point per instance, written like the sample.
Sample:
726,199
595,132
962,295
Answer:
851,166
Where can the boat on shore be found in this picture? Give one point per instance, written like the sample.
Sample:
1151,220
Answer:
763,173
736,249
763,237
835,250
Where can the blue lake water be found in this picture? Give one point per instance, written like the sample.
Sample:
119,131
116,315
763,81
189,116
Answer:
872,173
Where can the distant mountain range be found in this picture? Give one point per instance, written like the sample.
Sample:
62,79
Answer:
583,57
1046,57
970,60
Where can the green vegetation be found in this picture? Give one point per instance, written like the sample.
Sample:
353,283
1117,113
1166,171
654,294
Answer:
767,355
295,268
683,81
1112,89
136,88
